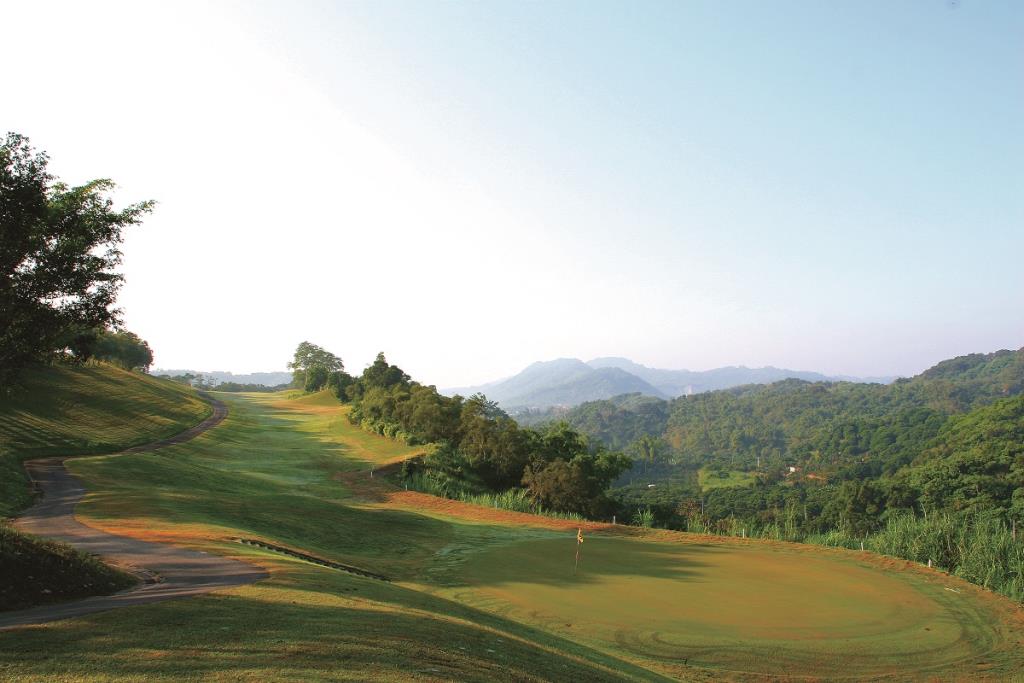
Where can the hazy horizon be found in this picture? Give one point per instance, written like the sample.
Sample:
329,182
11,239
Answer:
474,187
359,367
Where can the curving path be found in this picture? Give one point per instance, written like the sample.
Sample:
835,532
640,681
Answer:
169,571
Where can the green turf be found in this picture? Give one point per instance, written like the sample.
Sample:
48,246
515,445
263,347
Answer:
61,410
472,599
709,479
773,610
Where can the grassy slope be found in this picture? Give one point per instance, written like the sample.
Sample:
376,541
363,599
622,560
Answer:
73,411
478,594
84,410
37,572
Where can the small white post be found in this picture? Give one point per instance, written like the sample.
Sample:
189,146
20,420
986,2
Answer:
929,564
371,474
613,519
862,545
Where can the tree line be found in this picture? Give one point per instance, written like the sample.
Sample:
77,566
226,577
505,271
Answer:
477,446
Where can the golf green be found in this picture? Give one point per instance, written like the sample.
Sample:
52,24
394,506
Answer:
760,609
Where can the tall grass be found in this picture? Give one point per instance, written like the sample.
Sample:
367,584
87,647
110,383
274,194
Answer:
643,517
981,549
516,500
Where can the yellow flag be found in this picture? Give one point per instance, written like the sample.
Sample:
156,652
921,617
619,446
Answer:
579,535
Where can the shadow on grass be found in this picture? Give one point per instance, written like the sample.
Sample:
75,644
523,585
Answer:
376,630
260,476
552,561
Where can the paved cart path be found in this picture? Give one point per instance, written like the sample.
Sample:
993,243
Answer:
169,571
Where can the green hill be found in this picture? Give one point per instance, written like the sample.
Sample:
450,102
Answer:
83,410
827,426
76,410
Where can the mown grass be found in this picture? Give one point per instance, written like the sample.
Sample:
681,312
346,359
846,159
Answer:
74,410
78,410
362,449
709,605
36,571
270,471
471,600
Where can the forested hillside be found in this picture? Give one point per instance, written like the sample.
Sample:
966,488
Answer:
847,453
825,426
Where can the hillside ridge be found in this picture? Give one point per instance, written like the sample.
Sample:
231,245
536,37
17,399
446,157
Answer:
568,382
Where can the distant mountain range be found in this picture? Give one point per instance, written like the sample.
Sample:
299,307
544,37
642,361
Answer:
570,381
270,379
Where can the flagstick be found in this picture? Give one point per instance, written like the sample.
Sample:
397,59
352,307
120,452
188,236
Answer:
579,542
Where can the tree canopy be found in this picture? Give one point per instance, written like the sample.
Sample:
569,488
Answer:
122,348
479,448
312,366
59,247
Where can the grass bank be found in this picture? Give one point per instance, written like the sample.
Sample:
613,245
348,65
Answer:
37,572
82,410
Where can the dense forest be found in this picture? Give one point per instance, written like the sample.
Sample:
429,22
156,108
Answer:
863,449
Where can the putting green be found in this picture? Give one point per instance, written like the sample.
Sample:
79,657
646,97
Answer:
738,608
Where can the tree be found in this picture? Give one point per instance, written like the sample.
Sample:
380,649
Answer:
383,375
648,450
316,378
338,382
59,246
122,348
560,485
312,365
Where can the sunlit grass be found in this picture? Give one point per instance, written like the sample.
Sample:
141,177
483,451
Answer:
475,596
62,410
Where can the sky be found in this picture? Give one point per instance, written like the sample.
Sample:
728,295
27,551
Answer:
471,187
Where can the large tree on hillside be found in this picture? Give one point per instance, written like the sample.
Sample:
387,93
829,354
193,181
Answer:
312,366
59,246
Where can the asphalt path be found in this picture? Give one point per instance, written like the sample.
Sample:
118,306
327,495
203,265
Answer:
167,571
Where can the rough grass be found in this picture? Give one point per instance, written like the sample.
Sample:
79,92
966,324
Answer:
479,593
515,500
62,410
36,571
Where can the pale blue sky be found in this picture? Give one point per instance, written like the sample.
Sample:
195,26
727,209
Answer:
474,186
